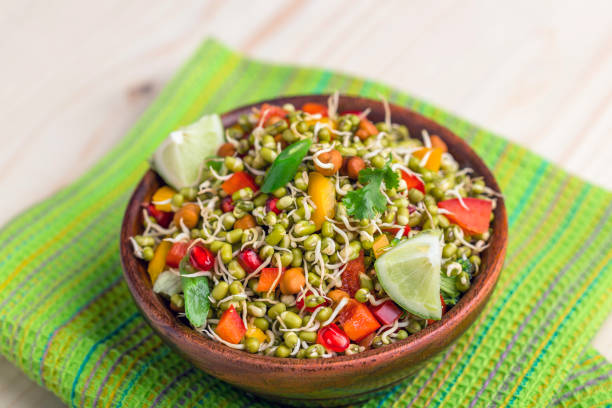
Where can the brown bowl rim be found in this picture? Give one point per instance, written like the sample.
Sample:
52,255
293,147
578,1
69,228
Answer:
181,335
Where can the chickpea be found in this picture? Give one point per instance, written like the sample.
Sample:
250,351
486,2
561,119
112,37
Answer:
353,166
334,157
190,213
292,282
226,149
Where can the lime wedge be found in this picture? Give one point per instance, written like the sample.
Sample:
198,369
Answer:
179,158
410,274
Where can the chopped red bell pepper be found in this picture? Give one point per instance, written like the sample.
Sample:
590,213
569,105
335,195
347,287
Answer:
230,327
176,253
267,279
272,110
387,312
413,181
315,108
238,181
333,338
357,320
350,276
474,219
394,231
267,111
163,218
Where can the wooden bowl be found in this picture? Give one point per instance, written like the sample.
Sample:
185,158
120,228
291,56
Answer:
339,380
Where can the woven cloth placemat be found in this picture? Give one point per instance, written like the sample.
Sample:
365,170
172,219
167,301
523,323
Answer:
68,321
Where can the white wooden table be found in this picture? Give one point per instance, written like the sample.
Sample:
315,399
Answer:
77,74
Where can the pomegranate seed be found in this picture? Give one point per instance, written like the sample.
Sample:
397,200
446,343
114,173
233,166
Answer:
201,258
227,205
271,205
163,218
333,338
249,260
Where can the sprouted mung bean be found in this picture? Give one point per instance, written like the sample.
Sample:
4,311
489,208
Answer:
274,250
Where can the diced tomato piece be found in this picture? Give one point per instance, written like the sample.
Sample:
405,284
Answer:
300,303
357,320
238,181
267,279
176,253
163,218
230,327
333,338
387,312
412,181
350,276
315,108
474,219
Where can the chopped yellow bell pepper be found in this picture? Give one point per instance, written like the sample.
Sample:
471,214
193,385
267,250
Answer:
324,121
157,264
380,244
434,157
323,194
161,198
256,332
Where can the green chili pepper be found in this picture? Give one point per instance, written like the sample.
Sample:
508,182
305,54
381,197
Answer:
285,165
196,291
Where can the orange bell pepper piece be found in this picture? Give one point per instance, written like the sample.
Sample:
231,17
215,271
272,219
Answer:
433,159
157,264
357,320
436,141
268,279
323,194
230,327
380,244
163,194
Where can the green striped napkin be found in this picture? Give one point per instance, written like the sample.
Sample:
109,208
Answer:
68,321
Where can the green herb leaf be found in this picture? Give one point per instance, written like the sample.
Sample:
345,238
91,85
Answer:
369,200
285,165
195,291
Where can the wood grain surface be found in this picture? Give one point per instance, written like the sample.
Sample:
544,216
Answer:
77,74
